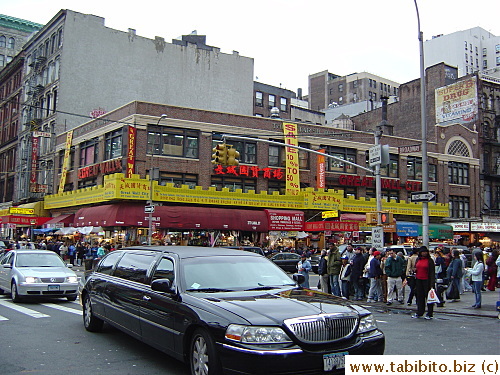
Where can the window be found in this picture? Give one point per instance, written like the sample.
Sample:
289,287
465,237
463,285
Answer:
12,43
283,104
381,86
107,264
272,101
165,270
2,41
232,183
278,186
485,64
370,82
341,87
466,45
391,169
484,52
113,144
247,149
259,99
173,142
355,84
82,184
414,169
2,60
134,267
88,152
277,156
71,159
334,165
459,207
458,173
178,179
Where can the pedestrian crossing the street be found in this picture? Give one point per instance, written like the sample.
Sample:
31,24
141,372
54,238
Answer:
32,311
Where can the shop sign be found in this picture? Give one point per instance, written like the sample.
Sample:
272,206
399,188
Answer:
285,221
250,171
485,227
24,220
387,183
292,159
132,134
459,227
328,214
21,211
335,226
110,166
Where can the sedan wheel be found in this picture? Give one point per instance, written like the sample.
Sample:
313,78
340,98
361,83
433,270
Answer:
202,356
90,321
14,294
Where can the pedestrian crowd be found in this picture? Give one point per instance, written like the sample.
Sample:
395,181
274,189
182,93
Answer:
366,274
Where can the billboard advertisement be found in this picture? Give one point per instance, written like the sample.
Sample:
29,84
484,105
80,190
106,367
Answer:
457,103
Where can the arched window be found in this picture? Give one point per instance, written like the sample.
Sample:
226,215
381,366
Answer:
458,148
2,41
12,43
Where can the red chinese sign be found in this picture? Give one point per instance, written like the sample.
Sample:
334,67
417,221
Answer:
250,171
34,159
131,151
105,167
387,183
336,226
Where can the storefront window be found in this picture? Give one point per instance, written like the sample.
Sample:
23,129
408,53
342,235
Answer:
276,186
333,165
173,142
233,183
178,179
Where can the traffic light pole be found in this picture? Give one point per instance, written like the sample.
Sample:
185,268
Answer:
378,179
224,136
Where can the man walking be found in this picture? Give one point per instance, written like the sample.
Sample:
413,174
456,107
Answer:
393,269
334,265
375,274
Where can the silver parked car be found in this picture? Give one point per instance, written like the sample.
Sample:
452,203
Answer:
36,273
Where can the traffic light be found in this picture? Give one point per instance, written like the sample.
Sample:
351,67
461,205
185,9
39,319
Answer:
220,154
386,217
371,218
232,156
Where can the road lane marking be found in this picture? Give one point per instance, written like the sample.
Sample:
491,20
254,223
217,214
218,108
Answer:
62,308
22,309
3,318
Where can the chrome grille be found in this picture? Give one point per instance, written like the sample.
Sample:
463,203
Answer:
52,279
323,328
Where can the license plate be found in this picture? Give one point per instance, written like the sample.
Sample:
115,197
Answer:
53,287
334,361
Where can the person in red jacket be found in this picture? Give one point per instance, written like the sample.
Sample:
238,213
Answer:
425,278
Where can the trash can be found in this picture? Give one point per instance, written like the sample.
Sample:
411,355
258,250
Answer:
88,264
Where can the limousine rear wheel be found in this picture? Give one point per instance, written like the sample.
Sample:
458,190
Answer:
202,355
90,321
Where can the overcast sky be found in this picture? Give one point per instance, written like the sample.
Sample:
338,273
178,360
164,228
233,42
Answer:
290,39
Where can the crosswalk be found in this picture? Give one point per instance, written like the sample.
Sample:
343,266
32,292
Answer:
31,311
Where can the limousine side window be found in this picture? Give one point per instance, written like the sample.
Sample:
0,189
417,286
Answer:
134,266
165,270
106,265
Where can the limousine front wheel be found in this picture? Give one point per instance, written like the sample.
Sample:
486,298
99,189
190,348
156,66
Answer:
90,321
202,355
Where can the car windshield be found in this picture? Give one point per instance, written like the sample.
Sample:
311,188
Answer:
39,260
224,273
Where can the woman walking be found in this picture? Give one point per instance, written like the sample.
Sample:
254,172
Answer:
492,270
477,279
425,278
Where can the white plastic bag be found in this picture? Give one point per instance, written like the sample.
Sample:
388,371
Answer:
432,296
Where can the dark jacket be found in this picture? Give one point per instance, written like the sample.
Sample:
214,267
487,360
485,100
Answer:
455,269
432,273
358,264
375,270
322,266
394,266
334,262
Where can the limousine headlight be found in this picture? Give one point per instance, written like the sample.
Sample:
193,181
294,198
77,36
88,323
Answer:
256,335
367,323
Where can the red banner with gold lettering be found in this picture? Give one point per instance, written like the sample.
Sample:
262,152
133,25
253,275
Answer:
132,132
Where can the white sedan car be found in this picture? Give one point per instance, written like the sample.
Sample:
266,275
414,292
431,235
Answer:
36,273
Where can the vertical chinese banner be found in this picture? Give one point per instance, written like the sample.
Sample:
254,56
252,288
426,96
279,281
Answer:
292,159
65,166
320,178
34,163
132,132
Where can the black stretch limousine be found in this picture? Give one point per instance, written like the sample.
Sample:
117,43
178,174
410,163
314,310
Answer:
225,311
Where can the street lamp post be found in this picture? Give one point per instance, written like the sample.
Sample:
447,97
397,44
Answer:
154,174
423,112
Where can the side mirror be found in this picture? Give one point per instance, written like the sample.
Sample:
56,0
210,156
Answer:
162,285
7,265
298,278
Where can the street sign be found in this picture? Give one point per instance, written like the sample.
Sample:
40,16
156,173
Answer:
327,214
409,149
423,196
375,155
149,209
378,237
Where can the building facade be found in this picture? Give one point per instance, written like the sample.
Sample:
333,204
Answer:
328,89
75,66
13,34
267,97
469,50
